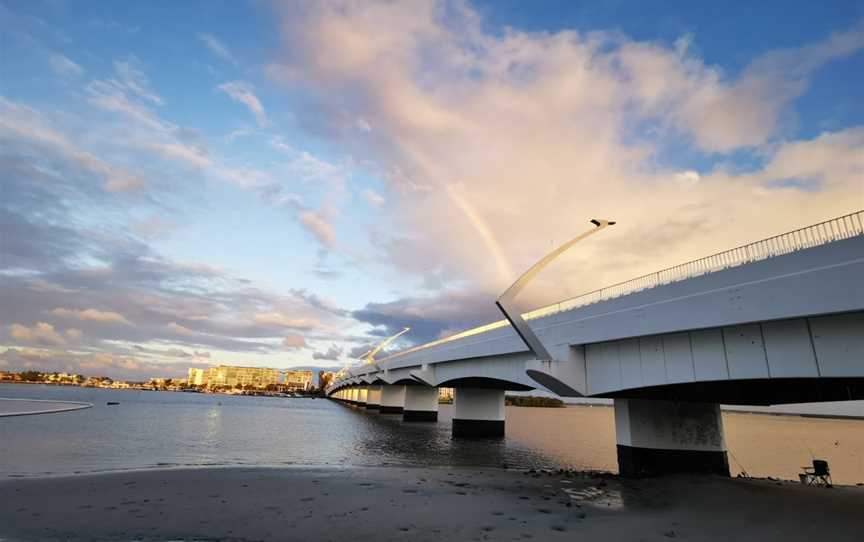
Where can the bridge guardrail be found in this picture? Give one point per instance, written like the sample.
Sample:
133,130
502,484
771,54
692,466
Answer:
836,229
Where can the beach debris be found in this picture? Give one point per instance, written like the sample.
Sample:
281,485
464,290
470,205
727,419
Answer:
596,496
112,403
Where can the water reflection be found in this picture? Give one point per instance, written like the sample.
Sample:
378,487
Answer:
150,429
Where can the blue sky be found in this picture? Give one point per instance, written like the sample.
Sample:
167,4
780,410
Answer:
282,184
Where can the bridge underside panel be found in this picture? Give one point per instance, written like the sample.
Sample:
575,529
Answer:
407,382
484,383
774,391
494,372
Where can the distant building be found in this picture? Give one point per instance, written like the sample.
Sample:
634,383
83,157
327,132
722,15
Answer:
197,377
298,380
232,377
445,393
325,378
98,382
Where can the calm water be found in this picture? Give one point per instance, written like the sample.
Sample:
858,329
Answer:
164,429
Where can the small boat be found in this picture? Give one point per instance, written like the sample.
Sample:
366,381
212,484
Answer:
110,403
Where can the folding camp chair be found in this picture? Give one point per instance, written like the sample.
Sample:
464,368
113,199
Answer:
817,475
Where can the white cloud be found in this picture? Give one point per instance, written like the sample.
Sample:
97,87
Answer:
19,122
688,177
373,198
500,145
92,364
218,48
238,133
64,66
243,93
320,228
282,320
294,341
41,333
174,327
333,353
92,315
133,79
154,226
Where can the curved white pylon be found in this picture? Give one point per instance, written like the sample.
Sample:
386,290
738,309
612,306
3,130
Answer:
370,355
505,301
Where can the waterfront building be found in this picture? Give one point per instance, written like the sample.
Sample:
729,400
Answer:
298,380
197,377
231,377
445,394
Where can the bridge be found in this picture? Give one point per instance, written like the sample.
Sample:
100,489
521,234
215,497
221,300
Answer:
777,321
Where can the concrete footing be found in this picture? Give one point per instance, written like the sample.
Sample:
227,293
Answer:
421,404
478,413
665,437
392,399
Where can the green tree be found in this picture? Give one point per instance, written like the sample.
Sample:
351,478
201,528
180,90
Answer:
31,376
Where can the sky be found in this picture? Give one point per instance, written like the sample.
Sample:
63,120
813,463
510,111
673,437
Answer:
284,184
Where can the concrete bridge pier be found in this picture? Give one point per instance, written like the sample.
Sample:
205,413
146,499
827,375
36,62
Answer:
421,404
663,437
392,399
362,396
373,397
478,413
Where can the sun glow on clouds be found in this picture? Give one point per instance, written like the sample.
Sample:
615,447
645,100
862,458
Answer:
423,154
506,143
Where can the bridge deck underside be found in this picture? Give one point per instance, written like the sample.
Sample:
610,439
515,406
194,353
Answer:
774,391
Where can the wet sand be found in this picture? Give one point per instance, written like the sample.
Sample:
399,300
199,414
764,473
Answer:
392,503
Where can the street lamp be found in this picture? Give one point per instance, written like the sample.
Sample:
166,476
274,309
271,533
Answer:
369,356
505,301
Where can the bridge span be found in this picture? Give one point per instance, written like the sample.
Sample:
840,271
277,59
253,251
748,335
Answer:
777,321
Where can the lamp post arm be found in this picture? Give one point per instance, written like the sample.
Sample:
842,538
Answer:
505,301
370,356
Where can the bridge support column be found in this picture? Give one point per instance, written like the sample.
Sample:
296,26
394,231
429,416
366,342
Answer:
362,395
373,397
421,404
392,399
478,413
663,437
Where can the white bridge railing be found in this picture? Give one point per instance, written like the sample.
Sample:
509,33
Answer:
822,233
836,229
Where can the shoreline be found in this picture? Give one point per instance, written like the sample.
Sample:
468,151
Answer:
347,467
416,503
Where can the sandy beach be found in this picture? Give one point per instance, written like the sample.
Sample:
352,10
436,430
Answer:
391,503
